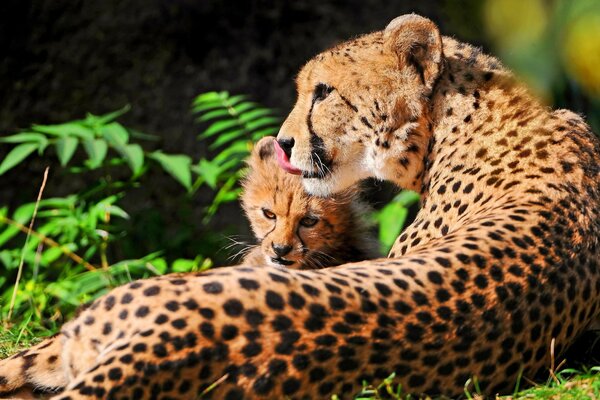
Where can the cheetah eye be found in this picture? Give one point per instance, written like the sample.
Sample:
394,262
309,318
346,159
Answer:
321,92
309,221
268,214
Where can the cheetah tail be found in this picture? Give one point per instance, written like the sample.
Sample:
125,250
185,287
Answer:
38,367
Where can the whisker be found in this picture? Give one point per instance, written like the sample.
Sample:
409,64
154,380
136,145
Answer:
241,253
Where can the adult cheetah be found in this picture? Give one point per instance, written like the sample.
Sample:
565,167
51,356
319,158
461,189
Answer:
501,260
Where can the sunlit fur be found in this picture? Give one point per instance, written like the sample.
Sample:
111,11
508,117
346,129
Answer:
340,235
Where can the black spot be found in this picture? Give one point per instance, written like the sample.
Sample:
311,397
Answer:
301,362
159,350
249,284
172,306
262,385
179,323
109,303
290,386
127,298
277,366
254,317
296,301
251,349
151,291
317,374
274,300
142,311
114,374
213,287
233,308
435,277
310,290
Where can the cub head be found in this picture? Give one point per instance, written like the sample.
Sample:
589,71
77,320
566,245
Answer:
294,229
362,109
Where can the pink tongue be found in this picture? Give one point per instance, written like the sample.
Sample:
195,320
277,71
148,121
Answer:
283,160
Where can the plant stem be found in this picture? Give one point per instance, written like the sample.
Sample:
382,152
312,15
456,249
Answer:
20,270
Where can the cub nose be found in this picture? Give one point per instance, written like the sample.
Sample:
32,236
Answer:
281,249
286,145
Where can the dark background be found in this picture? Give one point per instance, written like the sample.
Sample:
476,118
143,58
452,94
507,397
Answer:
63,58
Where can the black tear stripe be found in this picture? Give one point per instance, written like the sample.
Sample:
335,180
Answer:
348,103
324,163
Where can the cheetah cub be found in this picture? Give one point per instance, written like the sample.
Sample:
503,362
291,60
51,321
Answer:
297,230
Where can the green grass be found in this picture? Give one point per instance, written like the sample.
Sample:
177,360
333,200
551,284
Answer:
568,384
23,335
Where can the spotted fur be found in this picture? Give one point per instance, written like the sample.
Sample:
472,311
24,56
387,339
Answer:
296,230
501,261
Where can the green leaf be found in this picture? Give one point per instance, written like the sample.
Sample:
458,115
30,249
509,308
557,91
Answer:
24,137
115,134
113,210
106,118
51,255
204,107
218,127
16,155
225,138
8,260
214,114
65,148
241,108
9,233
96,150
178,166
240,148
391,220
184,265
209,171
73,128
134,155
59,202
407,198
158,264
262,123
233,100
254,114
210,96
24,213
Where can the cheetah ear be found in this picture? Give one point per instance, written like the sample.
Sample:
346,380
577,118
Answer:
263,150
417,43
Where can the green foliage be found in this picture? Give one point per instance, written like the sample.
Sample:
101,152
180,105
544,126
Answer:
67,258
234,124
95,136
392,218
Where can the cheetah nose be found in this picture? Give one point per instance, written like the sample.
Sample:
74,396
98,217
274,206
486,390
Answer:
286,145
281,249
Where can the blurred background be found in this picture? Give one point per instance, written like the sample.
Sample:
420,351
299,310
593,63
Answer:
162,199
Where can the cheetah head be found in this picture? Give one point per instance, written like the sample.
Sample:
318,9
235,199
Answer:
294,229
362,109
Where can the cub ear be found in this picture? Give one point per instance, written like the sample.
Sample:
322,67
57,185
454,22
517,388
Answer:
263,149
417,43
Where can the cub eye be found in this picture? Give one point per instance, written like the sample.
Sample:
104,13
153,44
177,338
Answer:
308,221
321,92
268,214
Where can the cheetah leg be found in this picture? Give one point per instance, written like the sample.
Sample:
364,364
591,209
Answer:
39,367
